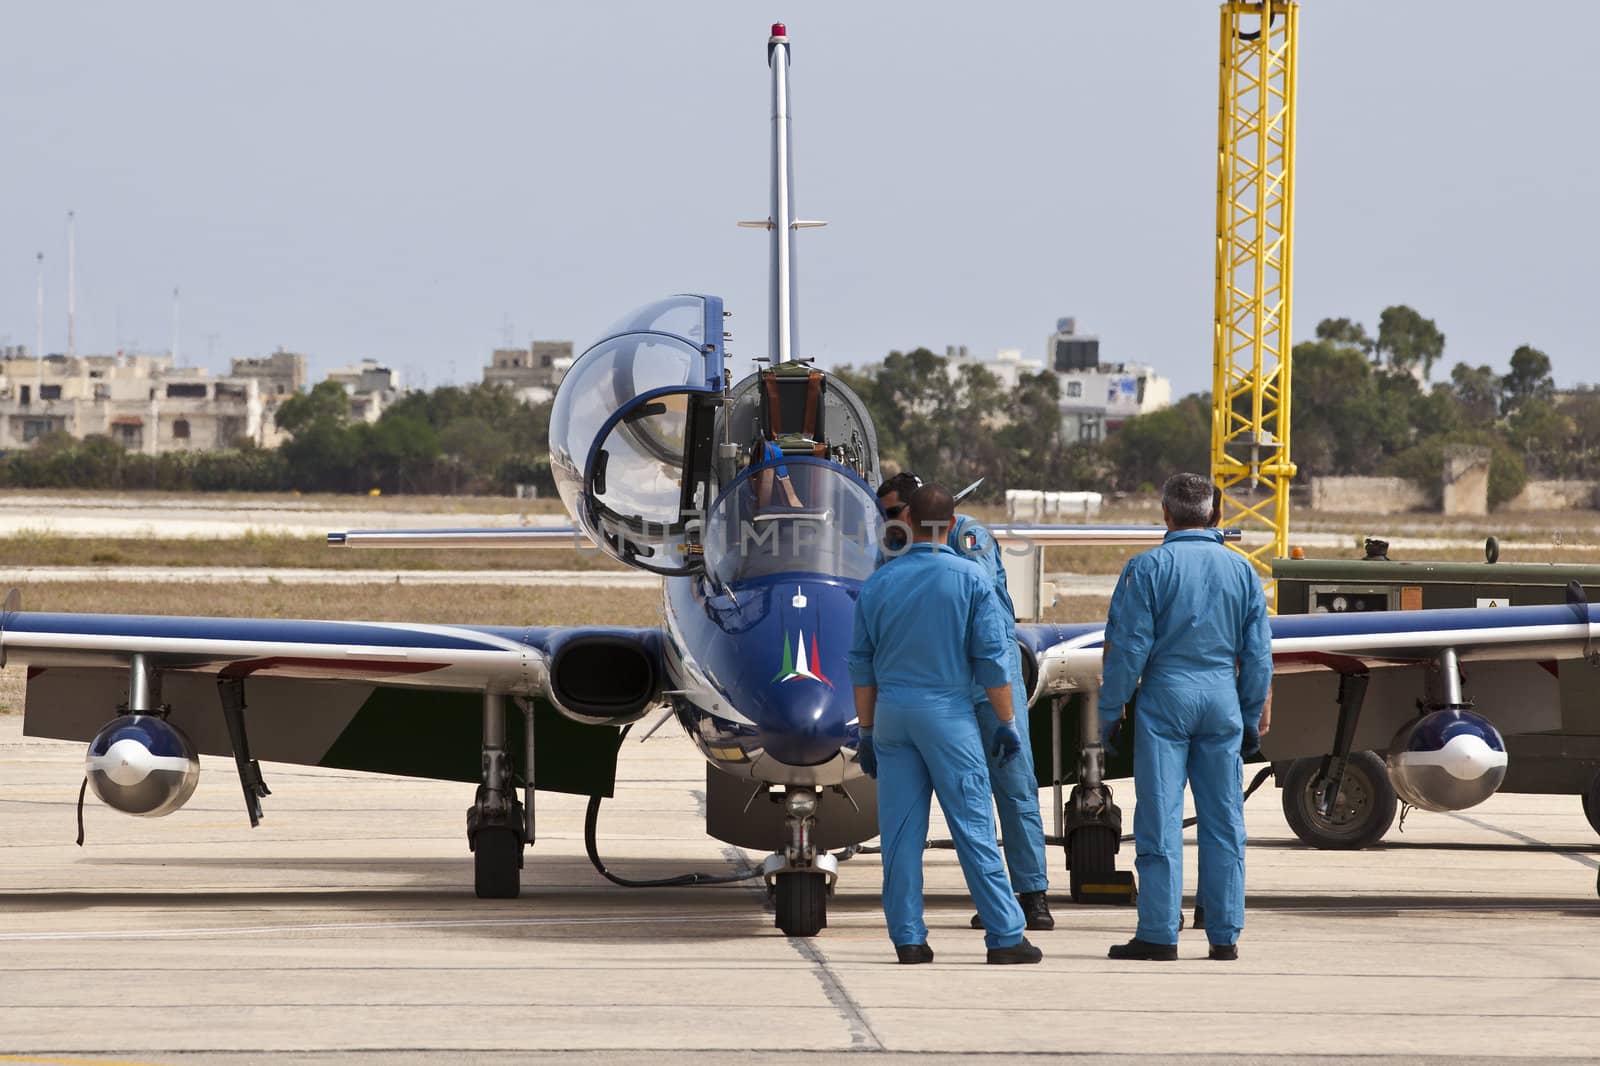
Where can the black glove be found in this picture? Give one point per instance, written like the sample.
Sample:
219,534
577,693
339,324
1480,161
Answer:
1251,744
1111,736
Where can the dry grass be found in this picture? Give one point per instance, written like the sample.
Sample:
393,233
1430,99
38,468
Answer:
467,604
443,505
13,682
274,550
1079,609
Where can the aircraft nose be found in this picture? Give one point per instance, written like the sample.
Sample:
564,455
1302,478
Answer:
801,722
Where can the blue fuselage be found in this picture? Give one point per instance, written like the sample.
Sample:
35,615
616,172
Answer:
759,676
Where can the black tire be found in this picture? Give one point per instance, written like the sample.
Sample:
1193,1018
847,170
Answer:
1591,804
1091,856
497,863
802,903
1365,810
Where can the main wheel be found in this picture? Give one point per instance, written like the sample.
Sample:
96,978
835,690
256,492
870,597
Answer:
1362,813
802,903
497,863
1591,803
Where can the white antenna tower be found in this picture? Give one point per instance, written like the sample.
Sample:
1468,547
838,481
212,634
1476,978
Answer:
177,360
72,283
38,356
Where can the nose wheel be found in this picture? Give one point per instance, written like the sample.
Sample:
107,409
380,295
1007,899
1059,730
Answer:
800,877
801,900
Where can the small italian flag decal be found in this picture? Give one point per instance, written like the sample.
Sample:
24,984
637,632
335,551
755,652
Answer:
796,664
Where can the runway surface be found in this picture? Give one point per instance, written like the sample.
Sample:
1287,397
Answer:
345,930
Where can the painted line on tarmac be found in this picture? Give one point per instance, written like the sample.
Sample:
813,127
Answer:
339,927
862,1035
1583,860
71,1061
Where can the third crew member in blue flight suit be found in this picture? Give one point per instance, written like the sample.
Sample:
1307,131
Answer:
1016,789
1188,627
927,624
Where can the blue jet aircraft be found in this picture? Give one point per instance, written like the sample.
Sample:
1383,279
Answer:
755,502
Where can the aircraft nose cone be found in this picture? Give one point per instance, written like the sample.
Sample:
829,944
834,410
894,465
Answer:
800,723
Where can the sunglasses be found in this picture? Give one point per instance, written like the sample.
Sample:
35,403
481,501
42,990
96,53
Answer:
896,510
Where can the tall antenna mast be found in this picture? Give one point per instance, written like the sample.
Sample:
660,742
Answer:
72,282
176,359
783,334
38,356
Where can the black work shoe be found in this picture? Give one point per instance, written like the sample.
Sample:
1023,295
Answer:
1036,909
1224,952
1020,953
1199,917
911,954
1144,951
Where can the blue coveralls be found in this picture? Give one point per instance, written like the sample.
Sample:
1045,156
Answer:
1016,789
926,625
1188,626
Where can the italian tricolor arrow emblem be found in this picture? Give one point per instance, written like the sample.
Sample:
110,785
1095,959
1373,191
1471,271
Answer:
797,665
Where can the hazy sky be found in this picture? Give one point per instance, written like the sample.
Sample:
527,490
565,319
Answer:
401,180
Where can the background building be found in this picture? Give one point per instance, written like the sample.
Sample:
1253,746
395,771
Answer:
1008,365
372,387
533,373
142,402
1098,397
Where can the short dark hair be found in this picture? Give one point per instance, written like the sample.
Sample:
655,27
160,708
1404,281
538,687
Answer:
931,506
902,485
1187,498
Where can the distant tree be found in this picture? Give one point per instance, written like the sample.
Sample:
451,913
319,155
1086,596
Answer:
1150,447
1583,448
327,401
1529,378
475,442
1345,418
912,401
1544,435
1346,332
1477,391
1030,449
1406,339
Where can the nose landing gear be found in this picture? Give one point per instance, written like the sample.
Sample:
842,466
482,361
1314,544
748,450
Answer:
800,878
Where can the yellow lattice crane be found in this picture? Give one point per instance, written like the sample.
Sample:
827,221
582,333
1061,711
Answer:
1250,460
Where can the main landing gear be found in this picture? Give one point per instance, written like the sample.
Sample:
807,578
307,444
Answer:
1343,800
800,878
498,825
1089,824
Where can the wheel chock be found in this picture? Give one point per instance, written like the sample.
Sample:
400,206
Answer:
1112,886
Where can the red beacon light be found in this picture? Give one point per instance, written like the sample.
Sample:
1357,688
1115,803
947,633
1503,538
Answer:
779,30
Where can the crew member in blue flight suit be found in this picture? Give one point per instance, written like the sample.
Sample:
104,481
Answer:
1188,627
927,623
1016,789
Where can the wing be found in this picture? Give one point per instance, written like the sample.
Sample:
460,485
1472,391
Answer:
496,537
1090,536
385,697
1067,657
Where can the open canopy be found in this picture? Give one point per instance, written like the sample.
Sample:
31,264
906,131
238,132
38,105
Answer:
631,427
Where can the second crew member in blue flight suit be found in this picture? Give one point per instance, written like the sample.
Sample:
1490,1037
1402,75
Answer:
1016,789
1188,627
926,624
